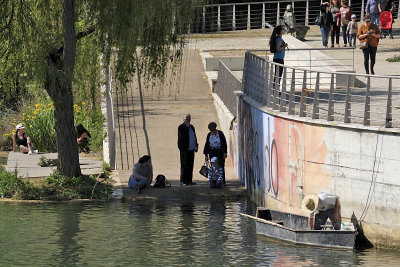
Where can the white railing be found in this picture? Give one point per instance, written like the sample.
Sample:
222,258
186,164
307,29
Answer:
370,100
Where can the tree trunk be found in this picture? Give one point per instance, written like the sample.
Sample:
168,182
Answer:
59,86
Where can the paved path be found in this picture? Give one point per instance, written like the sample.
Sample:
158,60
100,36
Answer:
187,93
27,165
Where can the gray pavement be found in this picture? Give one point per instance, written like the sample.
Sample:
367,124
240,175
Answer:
27,165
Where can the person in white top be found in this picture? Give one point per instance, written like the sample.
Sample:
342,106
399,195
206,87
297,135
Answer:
321,207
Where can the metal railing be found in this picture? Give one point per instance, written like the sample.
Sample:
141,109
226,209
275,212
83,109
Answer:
371,100
227,84
254,15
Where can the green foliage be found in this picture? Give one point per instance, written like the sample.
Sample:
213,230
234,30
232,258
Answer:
395,58
55,187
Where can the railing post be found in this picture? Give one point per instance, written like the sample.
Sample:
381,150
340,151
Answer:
276,89
248,17
303,96
367,107
347,111
263,16
331,107
292,93
266,81
388,123
219,19
307,13
282,106
315,114
234,18
277,13
362,11
244,78
203,27
271,84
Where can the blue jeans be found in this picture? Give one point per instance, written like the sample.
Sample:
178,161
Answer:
325,34
345,37
375,19
215,184
133,182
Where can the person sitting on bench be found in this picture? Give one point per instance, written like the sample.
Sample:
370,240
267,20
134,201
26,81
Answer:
321,207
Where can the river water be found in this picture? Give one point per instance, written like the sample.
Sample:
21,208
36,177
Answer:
155,233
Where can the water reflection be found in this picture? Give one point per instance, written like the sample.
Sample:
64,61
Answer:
154,233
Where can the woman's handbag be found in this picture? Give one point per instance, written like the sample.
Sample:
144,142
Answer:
204,170
363,45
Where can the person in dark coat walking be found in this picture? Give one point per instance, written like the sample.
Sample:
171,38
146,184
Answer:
326,23
215,146
187,144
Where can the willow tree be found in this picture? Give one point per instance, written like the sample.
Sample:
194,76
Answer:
44,36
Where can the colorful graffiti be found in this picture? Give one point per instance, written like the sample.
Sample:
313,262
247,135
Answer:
273,156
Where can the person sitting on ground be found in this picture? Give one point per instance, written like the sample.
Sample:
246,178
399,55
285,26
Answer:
321,207
22,141
142,174
82,137
215,174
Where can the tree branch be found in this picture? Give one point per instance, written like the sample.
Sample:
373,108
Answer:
85,33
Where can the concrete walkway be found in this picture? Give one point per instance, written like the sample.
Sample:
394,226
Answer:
164,112
27,165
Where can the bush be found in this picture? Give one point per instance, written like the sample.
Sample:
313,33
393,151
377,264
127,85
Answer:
395,58
54,187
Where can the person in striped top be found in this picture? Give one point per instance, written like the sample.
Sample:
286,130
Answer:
215,174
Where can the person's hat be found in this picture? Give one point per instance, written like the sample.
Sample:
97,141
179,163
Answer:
19,126
214,159
353,16
310,203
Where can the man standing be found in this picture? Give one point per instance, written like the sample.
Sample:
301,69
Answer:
322,207
187,144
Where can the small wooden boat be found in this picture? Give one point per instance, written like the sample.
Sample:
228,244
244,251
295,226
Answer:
294,228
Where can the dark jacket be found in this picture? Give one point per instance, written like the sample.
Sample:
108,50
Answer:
183,137
326,18
206,150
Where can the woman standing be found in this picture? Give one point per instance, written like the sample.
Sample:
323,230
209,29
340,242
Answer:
370,33
215,146
22,141
277,46
344,15
335,7
326,23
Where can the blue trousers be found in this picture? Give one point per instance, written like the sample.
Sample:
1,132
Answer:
325,34
345,37
133,182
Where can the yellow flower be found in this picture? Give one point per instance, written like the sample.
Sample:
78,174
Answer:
5,134
14,119
83,103
37,105
23,114
33,117
35,112
13,131
30,126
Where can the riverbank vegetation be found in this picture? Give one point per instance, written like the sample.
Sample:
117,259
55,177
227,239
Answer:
53,52
395,58
56,187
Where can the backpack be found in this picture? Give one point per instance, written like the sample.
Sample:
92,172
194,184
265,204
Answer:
318,20
161,182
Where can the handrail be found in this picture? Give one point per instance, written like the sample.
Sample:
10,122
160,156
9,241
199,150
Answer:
369,100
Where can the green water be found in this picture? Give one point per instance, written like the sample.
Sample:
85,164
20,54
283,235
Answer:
153,233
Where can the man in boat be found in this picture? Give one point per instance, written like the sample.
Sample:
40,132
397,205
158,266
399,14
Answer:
321,207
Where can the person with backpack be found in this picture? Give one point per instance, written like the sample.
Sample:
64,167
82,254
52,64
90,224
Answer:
215,173
277,46
326,23
142,174
344,16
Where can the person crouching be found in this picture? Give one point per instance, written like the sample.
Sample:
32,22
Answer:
142,175
215,174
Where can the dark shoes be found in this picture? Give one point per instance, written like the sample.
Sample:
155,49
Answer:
191,183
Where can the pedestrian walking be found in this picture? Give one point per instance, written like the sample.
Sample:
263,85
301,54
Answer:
326,23
369,33
277,46
352,30
372,9
344,15
187,144
216,146
334,8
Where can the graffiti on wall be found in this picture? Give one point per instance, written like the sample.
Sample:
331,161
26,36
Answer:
273,156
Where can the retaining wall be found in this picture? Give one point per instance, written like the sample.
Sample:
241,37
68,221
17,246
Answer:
281,159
